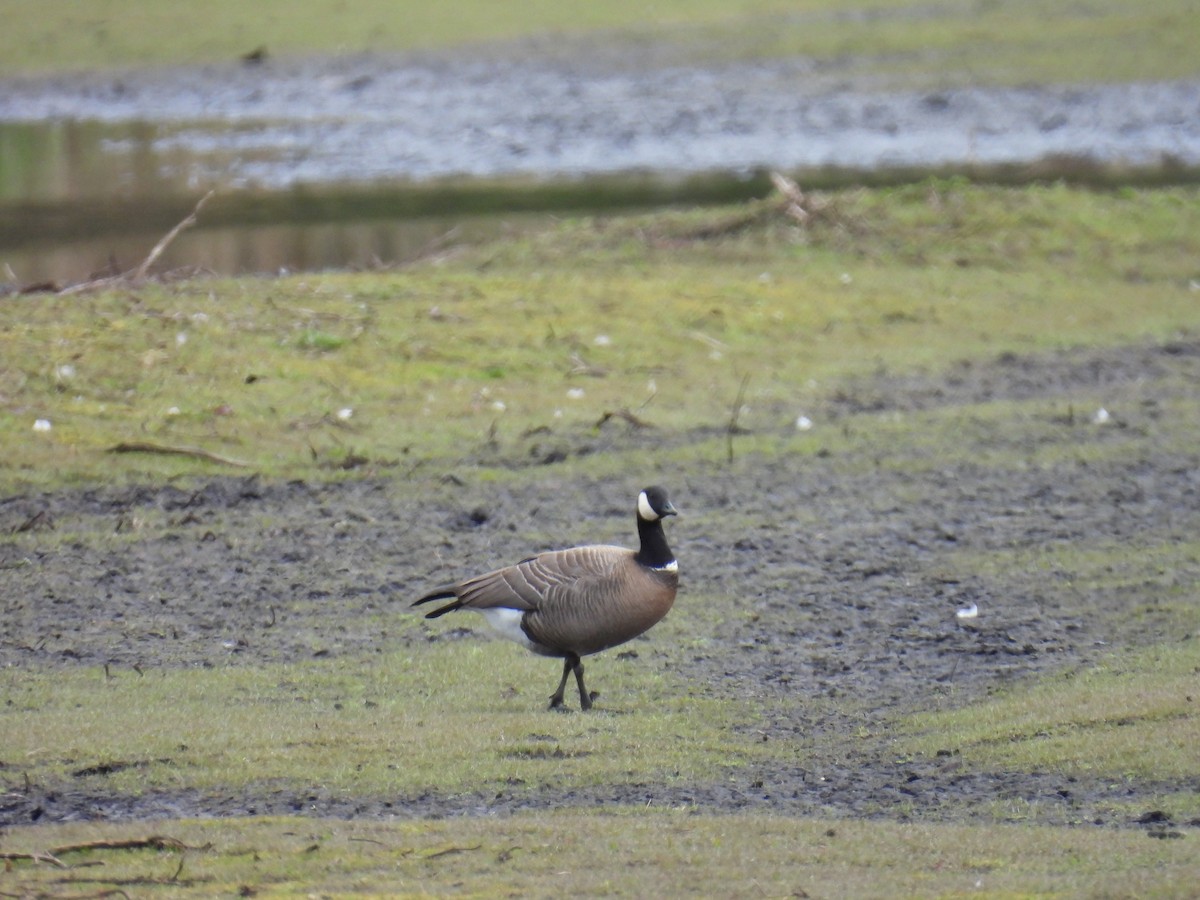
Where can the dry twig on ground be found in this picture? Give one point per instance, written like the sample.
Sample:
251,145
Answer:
187,222
36,857
153,842
138,275
623,413
148,447
788,201
733,427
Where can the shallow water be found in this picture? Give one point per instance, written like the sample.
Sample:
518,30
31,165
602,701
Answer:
79,199
78,153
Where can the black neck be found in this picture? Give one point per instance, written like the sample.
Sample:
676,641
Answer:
654,551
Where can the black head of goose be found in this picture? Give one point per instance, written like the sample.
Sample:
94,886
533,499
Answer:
572,603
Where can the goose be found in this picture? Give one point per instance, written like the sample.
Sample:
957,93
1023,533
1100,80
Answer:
573,603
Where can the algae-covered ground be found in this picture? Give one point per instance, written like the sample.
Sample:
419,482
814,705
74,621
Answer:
920,401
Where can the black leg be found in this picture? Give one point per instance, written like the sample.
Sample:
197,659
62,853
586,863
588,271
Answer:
557,699
585,699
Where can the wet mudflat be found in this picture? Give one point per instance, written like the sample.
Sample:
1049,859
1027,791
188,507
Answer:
365,119
837,576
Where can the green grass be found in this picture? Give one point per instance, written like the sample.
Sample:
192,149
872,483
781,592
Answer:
457,716
887,42
1136,715
303,375
616,853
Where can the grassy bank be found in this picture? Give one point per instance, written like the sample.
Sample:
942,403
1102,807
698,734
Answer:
465,357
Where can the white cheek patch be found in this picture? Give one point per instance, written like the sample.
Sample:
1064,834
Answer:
507,623
672,567
645,510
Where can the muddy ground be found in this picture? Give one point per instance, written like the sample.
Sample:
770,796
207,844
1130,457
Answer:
842,577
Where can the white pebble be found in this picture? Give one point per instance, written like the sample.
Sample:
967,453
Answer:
345,413
1100,416
968,612
64,372
499,405
803,423
602,340
42,425
172,410
575,393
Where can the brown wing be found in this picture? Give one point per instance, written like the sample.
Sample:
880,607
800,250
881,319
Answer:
545,578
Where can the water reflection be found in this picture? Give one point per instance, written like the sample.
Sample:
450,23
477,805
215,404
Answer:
78,199
70,160
269,249
81,199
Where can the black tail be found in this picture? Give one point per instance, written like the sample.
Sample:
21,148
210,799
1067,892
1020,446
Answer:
440,594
